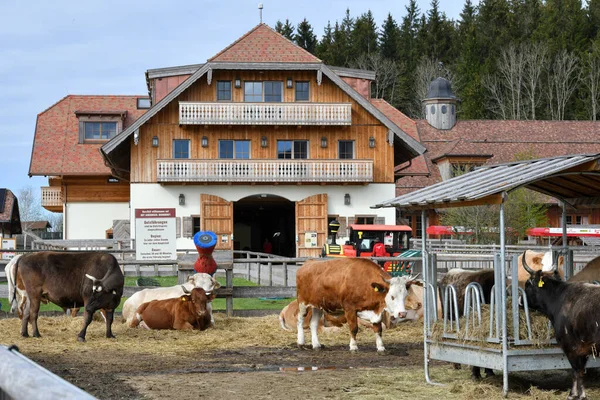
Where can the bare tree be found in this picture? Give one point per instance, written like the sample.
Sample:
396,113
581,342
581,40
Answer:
564,75
591,78
56,221
506,90
29,205
535,57
427,70
385,70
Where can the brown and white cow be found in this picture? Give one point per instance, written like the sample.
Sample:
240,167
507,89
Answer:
288,319
590,273
186,312
92,280
353,285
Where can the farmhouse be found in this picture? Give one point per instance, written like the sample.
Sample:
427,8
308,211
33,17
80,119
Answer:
261,141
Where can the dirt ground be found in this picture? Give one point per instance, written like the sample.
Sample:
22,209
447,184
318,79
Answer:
254,359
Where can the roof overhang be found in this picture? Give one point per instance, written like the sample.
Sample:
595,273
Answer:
121,113
572,179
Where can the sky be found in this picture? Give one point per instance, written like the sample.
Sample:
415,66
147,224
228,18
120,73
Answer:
49,49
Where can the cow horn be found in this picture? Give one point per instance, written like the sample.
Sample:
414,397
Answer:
91,277
388,281
531,272
185,290
412,278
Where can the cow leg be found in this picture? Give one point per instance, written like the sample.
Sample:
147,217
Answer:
302,311
489,372
353,326
74,312
25,317
182,326
34,309
209,309
109,320
378,328
87,320
578,364
475,373
317,313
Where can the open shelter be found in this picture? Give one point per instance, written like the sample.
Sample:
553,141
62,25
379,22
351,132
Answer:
572,179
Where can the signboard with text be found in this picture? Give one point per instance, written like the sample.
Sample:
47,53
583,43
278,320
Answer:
155,233
8,244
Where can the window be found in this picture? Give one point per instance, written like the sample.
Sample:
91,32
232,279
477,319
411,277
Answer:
364,220
272,91
292,149
195,223
99,130
143,103
181,148
223,90
302,91
459,169
345,149
239,149
253,91
577,219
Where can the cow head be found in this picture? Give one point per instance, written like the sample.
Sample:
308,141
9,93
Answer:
204,281
536,284
395,295
539,261
102,294
199,299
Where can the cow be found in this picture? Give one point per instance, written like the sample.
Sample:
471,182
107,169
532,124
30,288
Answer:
572,308
186,312
589,273
92,280
16,297
202,280
353,285
541,261
288,319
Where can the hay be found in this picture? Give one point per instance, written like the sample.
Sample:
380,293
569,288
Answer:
541,330
59,334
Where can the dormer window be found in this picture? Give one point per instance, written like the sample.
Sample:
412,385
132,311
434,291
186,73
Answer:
99,126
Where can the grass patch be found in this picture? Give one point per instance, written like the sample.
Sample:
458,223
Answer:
172,281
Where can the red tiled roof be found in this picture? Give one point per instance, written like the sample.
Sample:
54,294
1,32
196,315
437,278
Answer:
35,225
417,165
7,210
263,44
56,148
503,140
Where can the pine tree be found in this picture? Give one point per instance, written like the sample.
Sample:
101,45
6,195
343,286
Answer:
364,35
325,47
389,40
439,34
286,30
409,53
305,37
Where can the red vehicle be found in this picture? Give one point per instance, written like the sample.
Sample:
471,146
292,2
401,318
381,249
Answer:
396,239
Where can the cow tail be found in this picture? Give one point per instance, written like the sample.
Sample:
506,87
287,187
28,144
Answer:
282,323
12,281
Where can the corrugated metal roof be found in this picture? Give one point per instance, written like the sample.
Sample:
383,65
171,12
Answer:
569,178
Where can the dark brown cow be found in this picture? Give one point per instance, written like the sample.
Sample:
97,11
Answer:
353,285
92,280
181,313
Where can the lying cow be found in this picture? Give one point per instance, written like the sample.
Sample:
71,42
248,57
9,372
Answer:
200,280
573,311
92,280
186,312
353,285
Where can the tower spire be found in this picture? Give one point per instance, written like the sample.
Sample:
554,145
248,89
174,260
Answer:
260,8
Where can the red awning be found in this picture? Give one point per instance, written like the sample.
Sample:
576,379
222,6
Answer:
446,230
571,232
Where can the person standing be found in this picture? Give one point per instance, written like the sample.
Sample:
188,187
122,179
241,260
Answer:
379,251
267,246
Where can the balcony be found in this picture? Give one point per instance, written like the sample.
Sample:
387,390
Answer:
265,171
52,198
265,113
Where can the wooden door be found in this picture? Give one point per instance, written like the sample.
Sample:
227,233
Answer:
311,218
216,215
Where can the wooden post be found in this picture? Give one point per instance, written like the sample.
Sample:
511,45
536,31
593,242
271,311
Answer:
229,285
270,274
285,274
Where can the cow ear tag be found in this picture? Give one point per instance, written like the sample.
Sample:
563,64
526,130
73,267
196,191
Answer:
540,283
376,289
183,299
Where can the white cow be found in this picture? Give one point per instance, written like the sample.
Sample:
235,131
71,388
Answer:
200,280
16,297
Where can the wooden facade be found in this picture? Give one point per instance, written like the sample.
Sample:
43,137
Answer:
165,126
82,189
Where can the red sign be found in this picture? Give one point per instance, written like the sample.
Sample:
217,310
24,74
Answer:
155,213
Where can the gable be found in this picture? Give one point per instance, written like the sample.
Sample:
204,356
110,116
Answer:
263,44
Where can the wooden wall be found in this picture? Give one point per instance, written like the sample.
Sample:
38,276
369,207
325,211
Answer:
94,189
165,125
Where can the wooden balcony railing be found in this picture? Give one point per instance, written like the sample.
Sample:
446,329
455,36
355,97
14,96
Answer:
52,196
265,113
276,171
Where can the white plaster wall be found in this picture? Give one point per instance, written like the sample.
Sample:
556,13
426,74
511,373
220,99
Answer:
91,220
362,198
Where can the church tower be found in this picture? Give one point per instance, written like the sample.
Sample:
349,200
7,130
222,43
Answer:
440,104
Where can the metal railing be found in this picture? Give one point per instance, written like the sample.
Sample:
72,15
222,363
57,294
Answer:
189,170
191,113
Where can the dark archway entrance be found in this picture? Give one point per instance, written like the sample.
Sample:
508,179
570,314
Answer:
263,216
